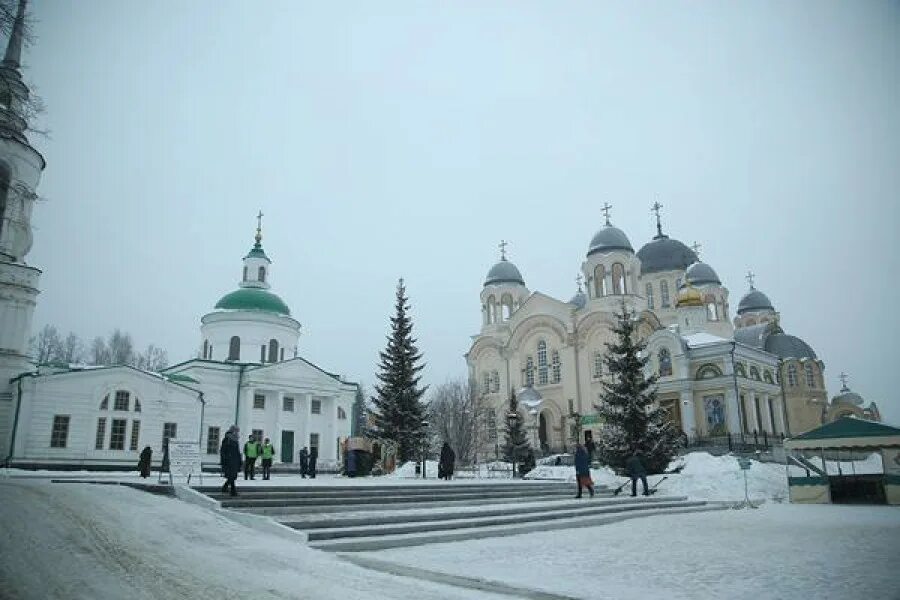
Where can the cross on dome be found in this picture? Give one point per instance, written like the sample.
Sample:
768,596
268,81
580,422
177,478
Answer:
259,228
578,280
503,244
843,377
749,278
696,248
605,211
655,209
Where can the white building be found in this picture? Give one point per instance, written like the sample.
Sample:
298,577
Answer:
715,376
248,370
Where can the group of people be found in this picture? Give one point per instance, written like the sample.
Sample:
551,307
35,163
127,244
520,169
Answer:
230,459
634,469
253,449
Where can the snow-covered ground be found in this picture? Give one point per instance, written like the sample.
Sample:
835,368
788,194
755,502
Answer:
704,477
826,552
73,542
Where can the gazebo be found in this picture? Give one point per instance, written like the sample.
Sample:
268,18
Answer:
831,457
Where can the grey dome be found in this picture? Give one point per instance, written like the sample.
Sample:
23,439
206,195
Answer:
665,254
754,300
609,238
848,397
504,272
701,273
789,346
579,300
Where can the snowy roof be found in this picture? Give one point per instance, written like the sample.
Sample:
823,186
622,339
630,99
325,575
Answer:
702,339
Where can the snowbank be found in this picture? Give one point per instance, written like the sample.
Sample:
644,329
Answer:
408,470
704,476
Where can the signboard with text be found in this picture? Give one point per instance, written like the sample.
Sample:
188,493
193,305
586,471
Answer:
184,458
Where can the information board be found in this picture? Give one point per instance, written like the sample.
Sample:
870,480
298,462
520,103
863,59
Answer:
184,458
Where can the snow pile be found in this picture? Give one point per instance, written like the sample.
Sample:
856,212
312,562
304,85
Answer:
408,470
704,476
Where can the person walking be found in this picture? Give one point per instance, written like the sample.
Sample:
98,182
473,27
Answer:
303,459
311,468
634,468
230,458
251,451
144,462
267,453
351,463
583,470
448,459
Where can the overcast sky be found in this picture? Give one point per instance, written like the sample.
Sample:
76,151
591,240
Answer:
406,139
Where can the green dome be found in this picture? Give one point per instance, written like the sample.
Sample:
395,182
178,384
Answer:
253,299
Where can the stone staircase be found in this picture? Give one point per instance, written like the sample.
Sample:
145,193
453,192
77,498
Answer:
348,518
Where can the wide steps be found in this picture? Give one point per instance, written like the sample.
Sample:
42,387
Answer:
610,515
449,521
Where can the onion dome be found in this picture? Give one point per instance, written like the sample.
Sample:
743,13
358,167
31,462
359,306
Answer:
253,299
688,295
665,254
609,238
788,346
848,397
700,273
754,300
504,272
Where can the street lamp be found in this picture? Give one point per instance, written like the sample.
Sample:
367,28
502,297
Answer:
511,418
424,448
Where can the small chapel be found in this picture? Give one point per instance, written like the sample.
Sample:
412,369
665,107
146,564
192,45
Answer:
719,372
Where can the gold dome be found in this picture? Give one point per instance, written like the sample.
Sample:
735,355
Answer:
688,295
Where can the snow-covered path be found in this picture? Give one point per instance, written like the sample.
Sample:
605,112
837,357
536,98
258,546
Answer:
94,542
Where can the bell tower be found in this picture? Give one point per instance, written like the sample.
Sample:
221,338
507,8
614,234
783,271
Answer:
20,172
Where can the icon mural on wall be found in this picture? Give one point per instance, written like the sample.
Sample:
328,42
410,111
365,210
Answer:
715,414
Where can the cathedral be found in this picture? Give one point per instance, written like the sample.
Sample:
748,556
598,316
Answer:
718,373
247,369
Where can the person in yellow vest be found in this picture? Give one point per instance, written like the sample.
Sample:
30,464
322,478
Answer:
251,451
267,452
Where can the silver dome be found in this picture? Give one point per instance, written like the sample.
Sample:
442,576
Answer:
848,397
788,346
665,254
504,272
754,300
701,273
609,238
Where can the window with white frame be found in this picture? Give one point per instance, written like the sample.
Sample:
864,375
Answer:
542,362
234,348
650,296
117,434
598,365
135,435
212,440
314,440
287,404
664,294
810,375
618,279
122,398
257,435
101,434
485,383
555,367
315,407
259,401
59,435
792,375
529,371
495,381
342,414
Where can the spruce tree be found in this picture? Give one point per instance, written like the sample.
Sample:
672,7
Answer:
399,416
516,448
634,422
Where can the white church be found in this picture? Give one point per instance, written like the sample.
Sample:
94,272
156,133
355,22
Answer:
247,371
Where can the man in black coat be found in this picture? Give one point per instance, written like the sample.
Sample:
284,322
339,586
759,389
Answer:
448,460
634,467
230,458
304,462
313,457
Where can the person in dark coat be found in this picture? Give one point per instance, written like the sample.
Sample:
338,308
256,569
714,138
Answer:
351,463
303,459
448,459
634,468
144,462
583,470
230,458
313,457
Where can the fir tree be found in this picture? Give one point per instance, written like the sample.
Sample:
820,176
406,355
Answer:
634,422
515,446
398,415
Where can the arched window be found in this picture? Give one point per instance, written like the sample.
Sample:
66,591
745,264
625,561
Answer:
506,307
598,365
599,281
712,311
273,350
205,348
665,362
491,310
234,348
708,371
740,370
245,272
618,279
792,375
555,367
137,404
262,274
650,296
810,375
122,400
664,294
529,371
542,362
767,376
104,404
341,413
495,381
754,373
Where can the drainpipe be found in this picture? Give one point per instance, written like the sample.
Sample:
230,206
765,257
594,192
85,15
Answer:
202,411
12,437
737,395
237,395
